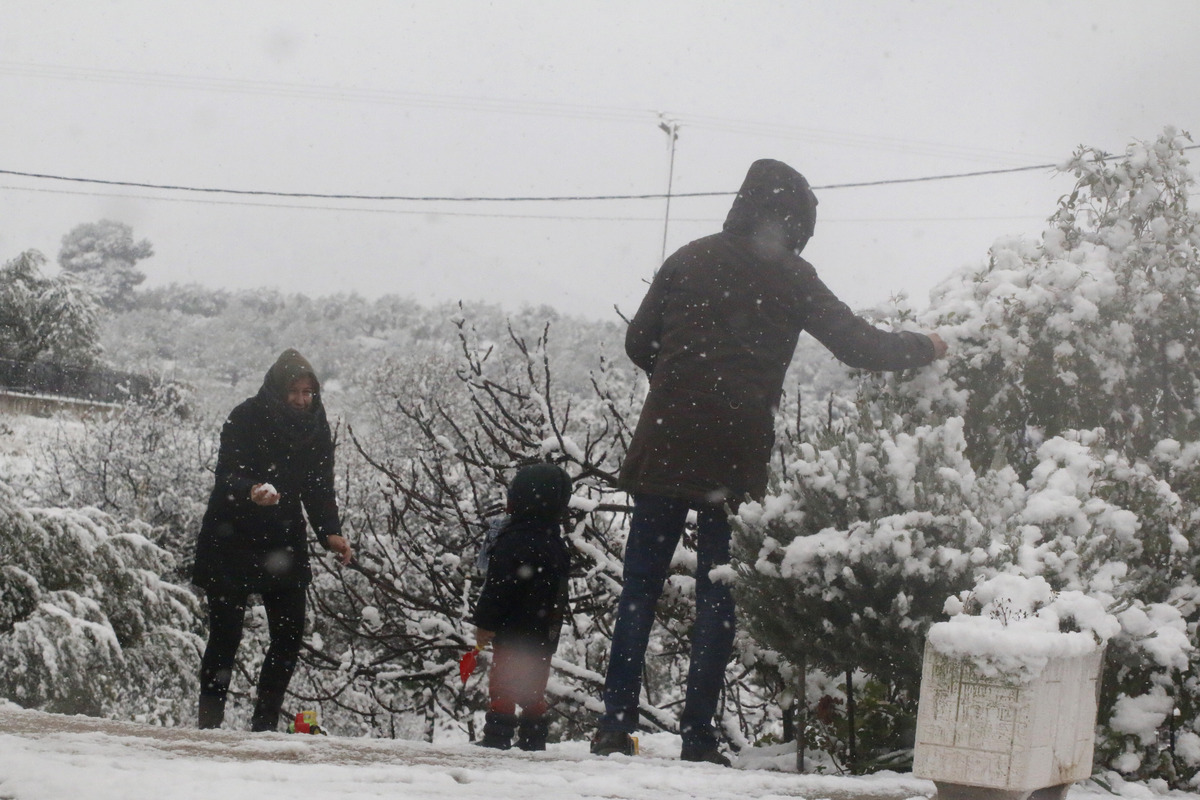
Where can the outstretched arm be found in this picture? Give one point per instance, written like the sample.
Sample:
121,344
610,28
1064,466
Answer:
320,504
859,344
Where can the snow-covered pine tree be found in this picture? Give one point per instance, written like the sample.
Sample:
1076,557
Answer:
87,625
1090,334
867,528
104,256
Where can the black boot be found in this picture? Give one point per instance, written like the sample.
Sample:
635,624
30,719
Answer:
606,743
266,711
704,751
212,711
498,730
531,734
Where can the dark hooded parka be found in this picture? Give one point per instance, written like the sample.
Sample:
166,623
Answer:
525,593
245,547
716,333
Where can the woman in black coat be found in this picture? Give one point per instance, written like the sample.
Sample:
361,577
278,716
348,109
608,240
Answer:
276,458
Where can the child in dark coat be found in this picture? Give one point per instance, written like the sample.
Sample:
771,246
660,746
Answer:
522,605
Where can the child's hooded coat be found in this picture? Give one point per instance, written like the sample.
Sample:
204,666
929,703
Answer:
525,592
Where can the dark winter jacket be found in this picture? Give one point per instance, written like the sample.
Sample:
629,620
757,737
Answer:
246,547
716,332
525,592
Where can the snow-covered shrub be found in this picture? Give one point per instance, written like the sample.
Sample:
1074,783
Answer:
867,529
430,460
87,625
864,534
1093,326
150,461
1073,387
1076,362
437,454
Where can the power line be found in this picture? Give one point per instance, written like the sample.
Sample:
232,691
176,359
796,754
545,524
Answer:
476,214
324,92
494,199
508,199
354,209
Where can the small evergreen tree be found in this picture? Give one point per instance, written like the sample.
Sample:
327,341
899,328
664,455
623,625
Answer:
41,318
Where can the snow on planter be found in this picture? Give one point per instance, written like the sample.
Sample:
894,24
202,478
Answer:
1009,694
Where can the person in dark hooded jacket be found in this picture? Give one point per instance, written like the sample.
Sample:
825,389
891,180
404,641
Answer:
275,465
522,605
716,333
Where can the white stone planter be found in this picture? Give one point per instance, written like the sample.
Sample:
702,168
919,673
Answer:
1003,738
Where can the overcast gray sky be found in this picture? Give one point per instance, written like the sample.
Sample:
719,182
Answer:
562,97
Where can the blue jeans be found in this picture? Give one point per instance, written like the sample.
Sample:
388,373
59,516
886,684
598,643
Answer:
657,525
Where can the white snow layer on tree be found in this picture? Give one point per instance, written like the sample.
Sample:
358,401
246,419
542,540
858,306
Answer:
86,623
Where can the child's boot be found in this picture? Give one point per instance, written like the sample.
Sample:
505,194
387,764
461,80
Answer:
531,735
498,730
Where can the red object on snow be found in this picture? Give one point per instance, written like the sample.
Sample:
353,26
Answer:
466,664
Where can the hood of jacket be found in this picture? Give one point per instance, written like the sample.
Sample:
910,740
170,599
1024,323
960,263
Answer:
539,493
289,367
774,203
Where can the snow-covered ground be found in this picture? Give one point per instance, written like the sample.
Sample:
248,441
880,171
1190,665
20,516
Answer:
52,757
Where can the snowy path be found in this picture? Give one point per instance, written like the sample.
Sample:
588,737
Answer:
52,757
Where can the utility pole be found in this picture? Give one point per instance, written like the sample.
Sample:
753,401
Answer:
671,128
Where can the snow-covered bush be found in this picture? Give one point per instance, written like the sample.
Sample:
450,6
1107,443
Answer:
45,318
865,533
1090,335
1064,430
87,624
149,461
1094,325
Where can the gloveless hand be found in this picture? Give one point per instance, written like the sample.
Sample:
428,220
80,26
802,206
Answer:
264,494
341,546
